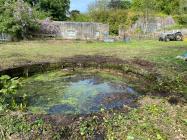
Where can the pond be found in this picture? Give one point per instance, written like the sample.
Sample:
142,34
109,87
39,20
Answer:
76,93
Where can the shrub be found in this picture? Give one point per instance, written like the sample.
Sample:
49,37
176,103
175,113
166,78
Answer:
17,18
181,19
8,98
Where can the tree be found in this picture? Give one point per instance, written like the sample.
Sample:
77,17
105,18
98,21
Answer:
32,2
146,9
76,16
17,18
114,15
119,4
56,9
99,5
115,18
169,7
144,6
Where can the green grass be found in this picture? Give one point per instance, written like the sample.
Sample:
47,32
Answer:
17,53
162,53
176,27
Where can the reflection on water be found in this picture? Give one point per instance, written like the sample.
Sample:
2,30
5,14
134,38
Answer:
78,94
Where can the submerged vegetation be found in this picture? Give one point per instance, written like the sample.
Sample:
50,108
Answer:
79,92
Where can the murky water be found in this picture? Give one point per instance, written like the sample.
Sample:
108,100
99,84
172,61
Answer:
76,94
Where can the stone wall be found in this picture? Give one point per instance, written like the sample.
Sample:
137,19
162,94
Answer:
154,24
5,37
184,32
74,30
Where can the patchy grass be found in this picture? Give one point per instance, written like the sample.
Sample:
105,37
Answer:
16,53
154,119
163,54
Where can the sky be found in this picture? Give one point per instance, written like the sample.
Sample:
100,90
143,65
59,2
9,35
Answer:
80,5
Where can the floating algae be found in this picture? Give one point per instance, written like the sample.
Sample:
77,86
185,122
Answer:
55,93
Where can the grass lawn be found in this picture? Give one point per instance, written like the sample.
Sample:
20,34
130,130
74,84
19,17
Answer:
16,53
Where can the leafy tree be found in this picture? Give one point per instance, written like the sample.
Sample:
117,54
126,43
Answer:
145,8
100,5
32,2
17,18
57,9
76,16
119,4
113,18
112,13
169,7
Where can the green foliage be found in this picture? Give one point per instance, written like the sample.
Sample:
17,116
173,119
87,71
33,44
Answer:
152,120
115,13
119,4
8,98
17,18
168,7
154,110
56,9
87,128
168,85
133,125
78,17
74,14
114,18
19,126
181,19
144,6
8,85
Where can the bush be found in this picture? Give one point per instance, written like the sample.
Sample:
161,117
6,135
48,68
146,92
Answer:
181,19
8,98
17,18
114,18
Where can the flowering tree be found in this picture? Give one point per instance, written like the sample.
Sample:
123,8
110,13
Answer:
17,18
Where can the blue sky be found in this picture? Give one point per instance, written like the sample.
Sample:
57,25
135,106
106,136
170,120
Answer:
80,5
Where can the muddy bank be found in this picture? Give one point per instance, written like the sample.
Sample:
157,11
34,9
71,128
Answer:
71,63
140,72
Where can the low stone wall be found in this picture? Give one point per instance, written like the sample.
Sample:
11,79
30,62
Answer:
74,30
152,25
5,37
184,32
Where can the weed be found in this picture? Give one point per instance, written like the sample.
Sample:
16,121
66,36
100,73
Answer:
8,97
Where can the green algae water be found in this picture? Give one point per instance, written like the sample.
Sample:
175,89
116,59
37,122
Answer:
76,93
